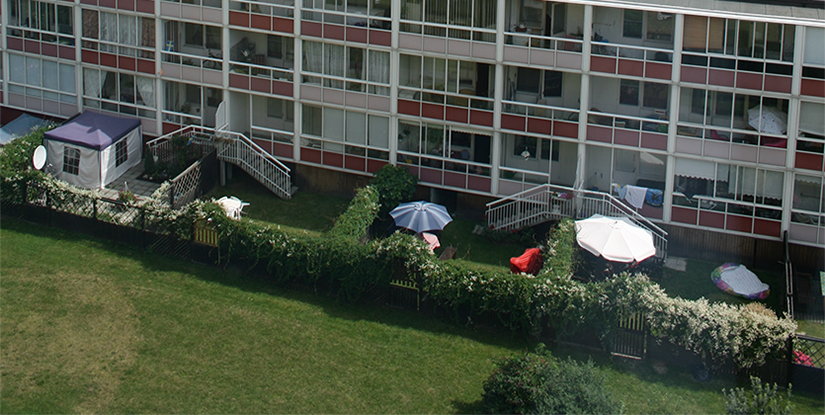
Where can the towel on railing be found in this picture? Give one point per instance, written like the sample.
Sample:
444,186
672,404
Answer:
635,196
654,197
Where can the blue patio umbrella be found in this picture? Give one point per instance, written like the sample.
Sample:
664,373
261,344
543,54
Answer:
421,216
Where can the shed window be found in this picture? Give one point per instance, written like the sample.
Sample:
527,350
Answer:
71,160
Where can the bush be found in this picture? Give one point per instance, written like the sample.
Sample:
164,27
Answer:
535,383
394,185
762,399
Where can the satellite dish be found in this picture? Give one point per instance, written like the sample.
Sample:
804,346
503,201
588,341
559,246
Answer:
39,158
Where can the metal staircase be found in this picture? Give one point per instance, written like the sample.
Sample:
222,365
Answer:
550,202
239,150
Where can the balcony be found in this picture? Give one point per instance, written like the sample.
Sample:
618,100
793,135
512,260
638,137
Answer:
272,15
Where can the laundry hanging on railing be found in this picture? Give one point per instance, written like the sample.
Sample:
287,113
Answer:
637,196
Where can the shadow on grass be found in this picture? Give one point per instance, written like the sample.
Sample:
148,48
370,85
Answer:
235,277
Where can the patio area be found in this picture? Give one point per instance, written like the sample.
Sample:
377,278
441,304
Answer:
140,188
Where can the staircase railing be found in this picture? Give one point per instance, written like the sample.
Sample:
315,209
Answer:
237,149
550,202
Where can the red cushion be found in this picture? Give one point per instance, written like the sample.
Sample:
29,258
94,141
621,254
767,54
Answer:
530,262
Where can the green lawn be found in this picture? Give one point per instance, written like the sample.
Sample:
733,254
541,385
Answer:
90,326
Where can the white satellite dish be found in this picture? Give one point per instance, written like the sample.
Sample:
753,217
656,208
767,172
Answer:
39,158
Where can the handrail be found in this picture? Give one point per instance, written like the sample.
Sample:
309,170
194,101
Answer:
257,148
545,202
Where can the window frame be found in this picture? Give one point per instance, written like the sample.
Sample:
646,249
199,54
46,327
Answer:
121,151
71,160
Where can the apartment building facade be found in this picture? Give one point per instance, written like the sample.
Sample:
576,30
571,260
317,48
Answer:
719,105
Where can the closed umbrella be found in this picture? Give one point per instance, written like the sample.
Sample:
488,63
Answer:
615,239
421,216
768,120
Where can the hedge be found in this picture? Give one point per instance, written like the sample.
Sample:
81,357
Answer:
342,263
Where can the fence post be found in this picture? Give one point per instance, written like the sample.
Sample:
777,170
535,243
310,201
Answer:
94,208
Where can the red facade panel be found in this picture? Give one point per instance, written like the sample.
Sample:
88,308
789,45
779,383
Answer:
355,163
238,19
602,64
332,31
14,43
481,184
658,70
89,56
694,75
333,159
145,6
566,129
375,165
775,83
432,111
712,219
429,175
481,118
108,59
809,161
409,107
357,34
380,37
282,150
626,137
512,122
539,126
739,223
312,29
279,24
260,84
311,155
31,46
601,134
457,114
767,227
259,21
454,179
145,66
749,80
238,81
654,141
126,5
631,67
282,88
683,215
813,87
49,49
66,52
126,62
720,77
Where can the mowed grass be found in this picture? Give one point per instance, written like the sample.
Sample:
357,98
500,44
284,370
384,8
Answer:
90,326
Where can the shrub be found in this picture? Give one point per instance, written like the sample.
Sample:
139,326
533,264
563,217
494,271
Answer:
762,399
536,383
394,185
360,214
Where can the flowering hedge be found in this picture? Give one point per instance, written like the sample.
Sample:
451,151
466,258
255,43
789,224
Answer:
343,264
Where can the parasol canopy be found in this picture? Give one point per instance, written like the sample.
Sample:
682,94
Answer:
421,216
768,120
615,239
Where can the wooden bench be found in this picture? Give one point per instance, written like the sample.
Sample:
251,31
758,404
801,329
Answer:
448,253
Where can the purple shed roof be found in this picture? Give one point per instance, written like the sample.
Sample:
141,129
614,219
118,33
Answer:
92,130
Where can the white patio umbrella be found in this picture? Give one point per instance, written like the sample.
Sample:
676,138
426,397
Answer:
768,120
421,216
615,239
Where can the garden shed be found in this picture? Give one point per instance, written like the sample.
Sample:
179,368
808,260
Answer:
92,150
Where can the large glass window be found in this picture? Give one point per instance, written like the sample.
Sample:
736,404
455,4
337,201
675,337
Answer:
43,78
760,40
119,92
47,22
113,32
338,62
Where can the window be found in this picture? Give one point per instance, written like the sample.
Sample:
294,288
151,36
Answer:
280,47
549,150
528,80
121,152
633,23
42,78
44,21
528,144
71,160
278,108
552,83
659,26
655,95
197,35
629,92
